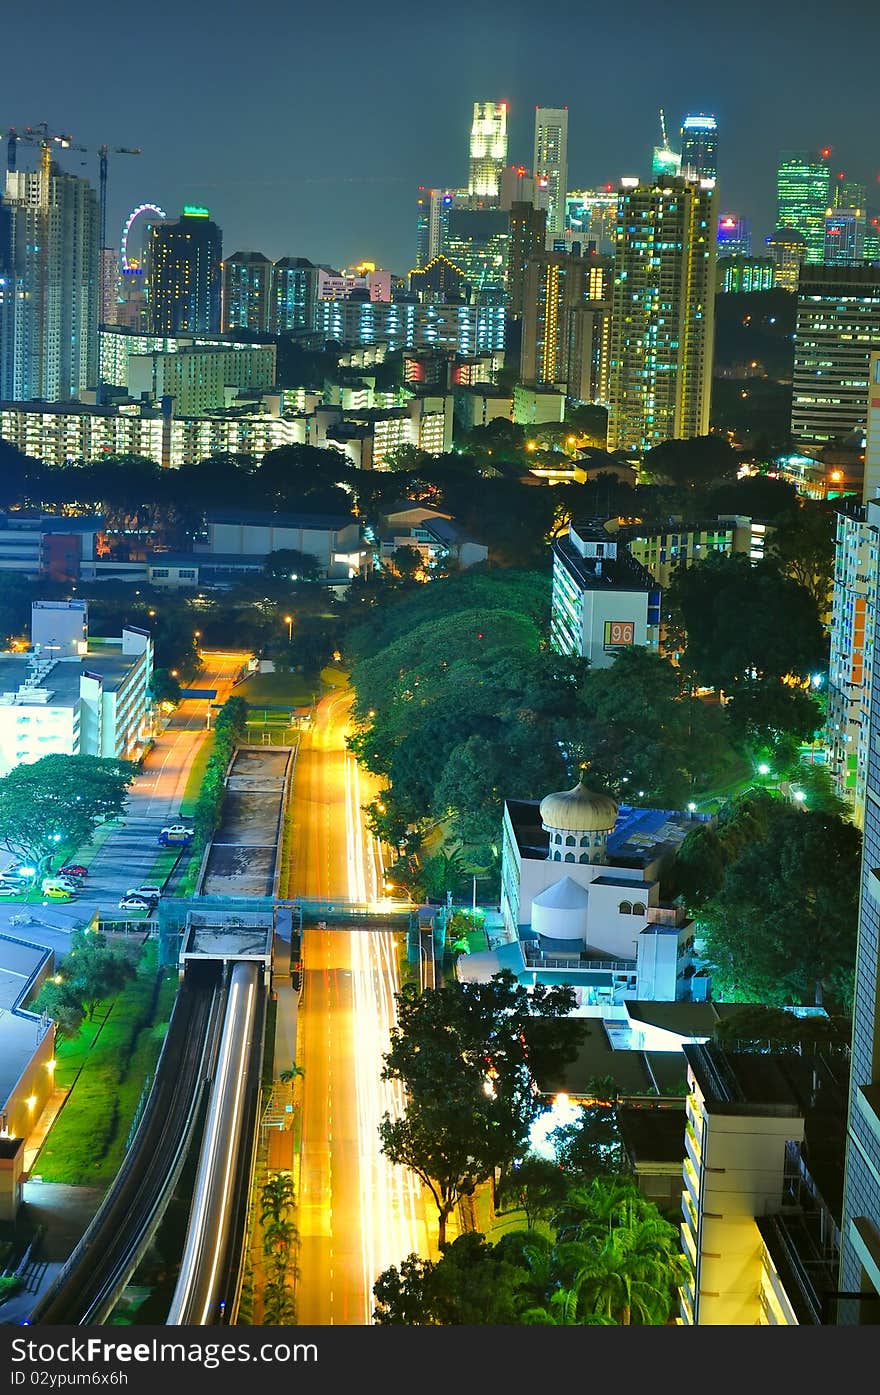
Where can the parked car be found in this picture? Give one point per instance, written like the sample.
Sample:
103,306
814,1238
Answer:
73,869
63,883
168,839
58,893
146,891
137,903
9,889
186,829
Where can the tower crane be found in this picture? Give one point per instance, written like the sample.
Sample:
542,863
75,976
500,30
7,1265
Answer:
41,135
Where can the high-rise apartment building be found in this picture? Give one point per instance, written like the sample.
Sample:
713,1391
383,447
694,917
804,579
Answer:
566,324
837,327
246,292
293,295
860,1258
802,187
788,249
699,147
550,165
488,149
528,237
663,309
185,275
845,236
50,299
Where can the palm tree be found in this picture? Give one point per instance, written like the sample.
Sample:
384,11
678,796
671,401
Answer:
287,1076
276,1197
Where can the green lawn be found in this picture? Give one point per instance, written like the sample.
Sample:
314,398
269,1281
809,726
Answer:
279,689
196,776
107,1064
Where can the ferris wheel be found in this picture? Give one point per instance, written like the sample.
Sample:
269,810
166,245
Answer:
130,221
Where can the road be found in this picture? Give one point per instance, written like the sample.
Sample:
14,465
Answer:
357,1213
126,857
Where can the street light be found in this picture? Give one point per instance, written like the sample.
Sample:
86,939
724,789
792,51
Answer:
288,620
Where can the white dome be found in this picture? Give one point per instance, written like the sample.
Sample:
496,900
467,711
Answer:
560,911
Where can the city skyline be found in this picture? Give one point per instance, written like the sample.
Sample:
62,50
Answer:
348,195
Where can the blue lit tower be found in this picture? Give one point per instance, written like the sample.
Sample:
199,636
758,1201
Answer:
699,147
185,275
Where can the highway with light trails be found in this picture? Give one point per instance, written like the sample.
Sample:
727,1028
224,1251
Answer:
357,1212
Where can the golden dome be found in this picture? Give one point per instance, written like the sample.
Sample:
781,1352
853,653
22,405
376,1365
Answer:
580,810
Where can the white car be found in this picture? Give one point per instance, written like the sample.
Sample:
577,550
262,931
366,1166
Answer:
147,892
136,903
179,830
9,889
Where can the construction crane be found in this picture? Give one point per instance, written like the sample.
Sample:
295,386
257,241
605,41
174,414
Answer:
103,152
41,135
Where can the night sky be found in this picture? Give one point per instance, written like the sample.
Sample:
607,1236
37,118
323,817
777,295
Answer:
306,129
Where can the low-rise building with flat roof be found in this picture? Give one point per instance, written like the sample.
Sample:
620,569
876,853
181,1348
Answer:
602,599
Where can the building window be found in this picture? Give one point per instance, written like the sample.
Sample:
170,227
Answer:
583,857
638,908
569,842
624,908
569,857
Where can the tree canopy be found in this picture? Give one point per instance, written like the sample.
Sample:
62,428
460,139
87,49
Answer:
57,802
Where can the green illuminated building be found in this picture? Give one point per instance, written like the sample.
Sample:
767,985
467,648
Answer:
802,198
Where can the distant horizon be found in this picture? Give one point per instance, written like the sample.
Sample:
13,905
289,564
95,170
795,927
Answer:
314,143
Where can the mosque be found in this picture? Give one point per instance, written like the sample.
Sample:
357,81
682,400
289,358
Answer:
580,898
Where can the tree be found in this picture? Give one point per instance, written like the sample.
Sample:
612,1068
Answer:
57,803
460,1052
591,1146
164,687
407,561
802,544
63,1004
700,460
472,1284
94,970
782,927
289,564
535,1186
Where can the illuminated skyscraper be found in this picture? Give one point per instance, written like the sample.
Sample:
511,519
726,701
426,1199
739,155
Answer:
488,149
802,197
566,320
50,302
788,248
665,160
734,236
293,295
848,193
591,216
246,292
184,276
432,216
844,236
528,239
663,309
699,147
550,164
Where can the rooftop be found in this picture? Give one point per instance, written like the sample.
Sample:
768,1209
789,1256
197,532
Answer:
638,838
256,518
608,573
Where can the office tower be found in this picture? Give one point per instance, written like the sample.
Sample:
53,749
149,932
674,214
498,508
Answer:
844,236
872,241
519,186
246,292
550,164
184,275
860,1236
849,193
734,236
740,275
837,326
488,149
591,216
788,249
528,238
566,313
52,291
477,242
663,310
432,210
110,285
802,182
293,295
699,147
